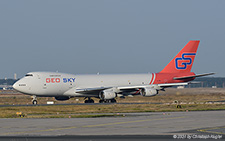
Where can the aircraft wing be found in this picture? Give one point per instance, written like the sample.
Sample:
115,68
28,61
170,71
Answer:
154,86
91,90
97,90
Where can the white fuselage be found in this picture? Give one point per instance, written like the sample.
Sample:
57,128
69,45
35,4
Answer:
62,84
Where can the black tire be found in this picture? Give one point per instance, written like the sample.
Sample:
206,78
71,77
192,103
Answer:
113,101
34,102
101,101
92,101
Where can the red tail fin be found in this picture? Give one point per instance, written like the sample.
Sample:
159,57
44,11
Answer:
184,59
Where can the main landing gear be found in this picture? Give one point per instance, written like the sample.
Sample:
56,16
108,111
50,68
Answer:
34,101
89,100
108,101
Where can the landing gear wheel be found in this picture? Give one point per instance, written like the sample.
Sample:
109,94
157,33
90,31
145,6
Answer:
89,101
92,101
108,101
113,101
34,102
101,101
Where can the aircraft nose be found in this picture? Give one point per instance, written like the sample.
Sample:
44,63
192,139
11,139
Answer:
20,86
16,86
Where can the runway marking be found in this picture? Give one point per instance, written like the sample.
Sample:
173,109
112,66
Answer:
88,126
214,128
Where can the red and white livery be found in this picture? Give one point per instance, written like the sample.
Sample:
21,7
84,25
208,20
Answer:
63,86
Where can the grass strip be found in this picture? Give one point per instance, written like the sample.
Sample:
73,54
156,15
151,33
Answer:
86,111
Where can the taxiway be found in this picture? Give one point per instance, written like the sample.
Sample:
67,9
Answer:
156,123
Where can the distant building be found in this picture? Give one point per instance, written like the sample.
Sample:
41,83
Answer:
15,76
180,87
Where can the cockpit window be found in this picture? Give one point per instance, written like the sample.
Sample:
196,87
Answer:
28,75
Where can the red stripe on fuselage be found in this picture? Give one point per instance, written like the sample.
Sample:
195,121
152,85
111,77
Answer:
152,78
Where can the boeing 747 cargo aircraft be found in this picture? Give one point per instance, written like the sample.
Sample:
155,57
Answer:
63,86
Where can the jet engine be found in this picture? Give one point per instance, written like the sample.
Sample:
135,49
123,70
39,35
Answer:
107,94
62,98
149,92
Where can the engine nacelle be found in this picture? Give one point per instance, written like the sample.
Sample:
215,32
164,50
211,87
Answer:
149,92
62,98
107,94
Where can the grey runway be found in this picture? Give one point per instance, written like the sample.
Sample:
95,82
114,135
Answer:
88,138
156,123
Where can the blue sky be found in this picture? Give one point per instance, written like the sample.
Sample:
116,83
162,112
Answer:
90,36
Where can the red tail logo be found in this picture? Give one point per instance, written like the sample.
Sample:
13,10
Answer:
183,61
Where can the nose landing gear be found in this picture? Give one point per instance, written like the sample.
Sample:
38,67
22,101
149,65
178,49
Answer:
34,100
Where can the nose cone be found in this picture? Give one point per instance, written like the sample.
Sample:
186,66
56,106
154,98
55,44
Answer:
16,86
20,86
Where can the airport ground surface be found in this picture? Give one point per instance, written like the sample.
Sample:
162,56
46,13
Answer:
172,124
127,126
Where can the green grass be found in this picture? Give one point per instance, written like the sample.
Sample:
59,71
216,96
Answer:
91,111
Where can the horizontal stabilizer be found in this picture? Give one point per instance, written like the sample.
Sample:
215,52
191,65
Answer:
192,76
195,82
172,84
